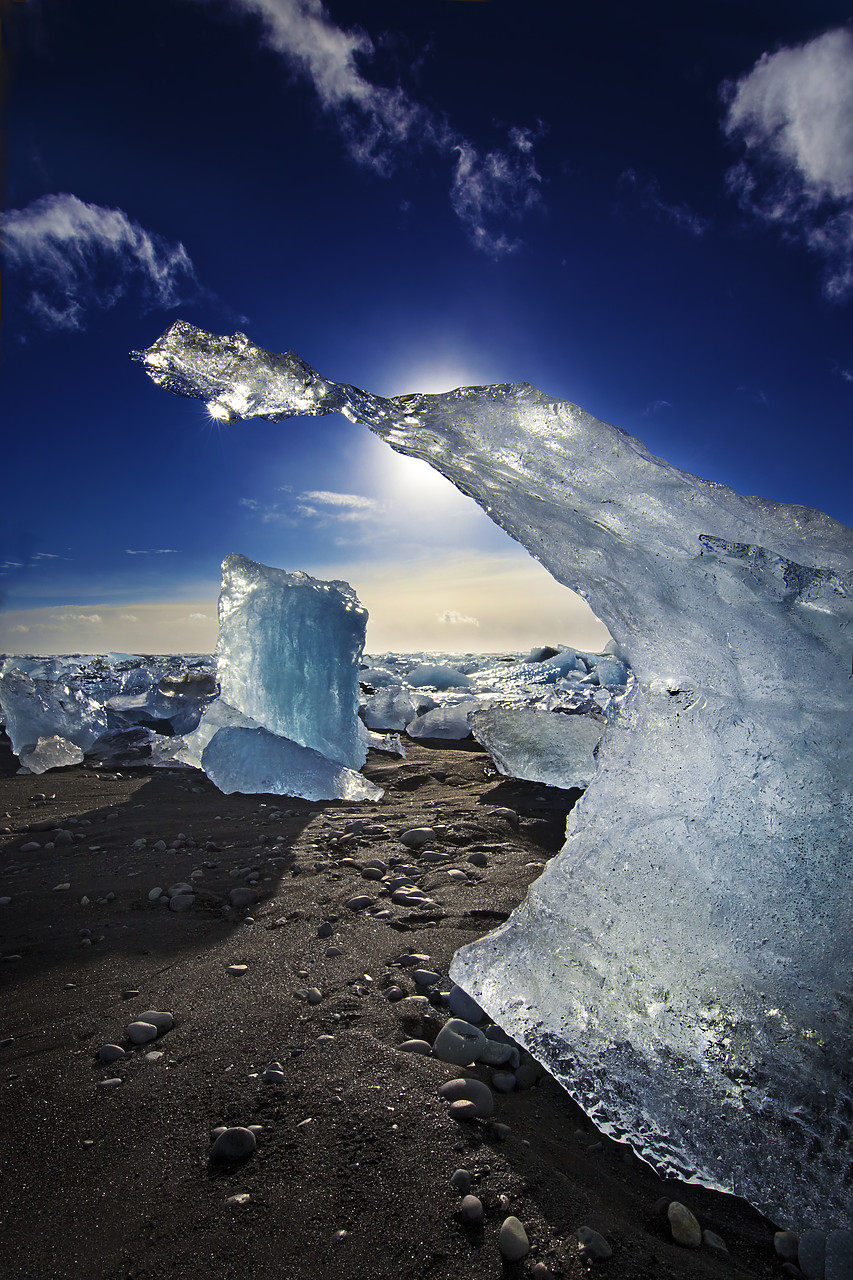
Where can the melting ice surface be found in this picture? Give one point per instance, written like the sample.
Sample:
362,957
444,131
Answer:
684,965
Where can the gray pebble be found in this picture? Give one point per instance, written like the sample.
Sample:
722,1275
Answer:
786,1243
469,1090
411,959
109,1084
495,1054
111,1053
416,1046
141,1032
359,902
811,1254
331,952
426,977
458,1042
503,1081
242,896
713,1241
465,1006
526,1075
324,930
462,1110
512,1240
233,1144
684,1227
393,994
313,995
417,837
471,1210
154,894
478,859
181,901
501,1131
839,1255
592,1245
162,1020
371,873
433,855
461,1181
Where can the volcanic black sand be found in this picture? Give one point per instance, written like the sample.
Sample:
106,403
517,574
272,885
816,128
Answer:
351,1177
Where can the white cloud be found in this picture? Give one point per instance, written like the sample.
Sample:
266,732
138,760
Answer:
381,125
88,619
793,113
154,551
200,617
338,506
656,406
456,619
77,256
128,617
648,193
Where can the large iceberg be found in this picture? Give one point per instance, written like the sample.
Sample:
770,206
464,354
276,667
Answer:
685,965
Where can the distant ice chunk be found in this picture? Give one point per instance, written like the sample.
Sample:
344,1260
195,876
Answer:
390,708
452,721
288,653
255,760
50,753
436,676
540,746
611,672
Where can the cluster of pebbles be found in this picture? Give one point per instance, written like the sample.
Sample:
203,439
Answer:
466,1040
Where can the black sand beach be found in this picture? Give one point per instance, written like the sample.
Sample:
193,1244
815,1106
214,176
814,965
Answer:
351,1176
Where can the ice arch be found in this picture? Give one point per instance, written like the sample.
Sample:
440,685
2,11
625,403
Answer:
685,966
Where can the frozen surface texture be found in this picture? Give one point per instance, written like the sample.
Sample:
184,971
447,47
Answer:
288,652
542,746
684,965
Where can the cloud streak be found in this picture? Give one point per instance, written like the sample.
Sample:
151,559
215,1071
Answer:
381,124
647,192
793,116
78,256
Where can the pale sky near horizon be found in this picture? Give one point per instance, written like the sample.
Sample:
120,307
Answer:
648,212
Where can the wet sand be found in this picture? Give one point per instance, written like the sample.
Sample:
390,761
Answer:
351,1177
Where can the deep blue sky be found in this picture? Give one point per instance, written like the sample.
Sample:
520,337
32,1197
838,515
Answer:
620,203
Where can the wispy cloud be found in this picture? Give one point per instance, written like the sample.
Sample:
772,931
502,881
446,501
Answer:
655,407
381,125
647,193
88,619
793,115
79,256
349,507
153,551
454,618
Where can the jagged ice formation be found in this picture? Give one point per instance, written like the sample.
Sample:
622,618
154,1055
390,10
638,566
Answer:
685,966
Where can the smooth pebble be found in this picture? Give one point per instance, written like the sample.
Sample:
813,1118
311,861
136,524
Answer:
512,1240
683,1225
234,1144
